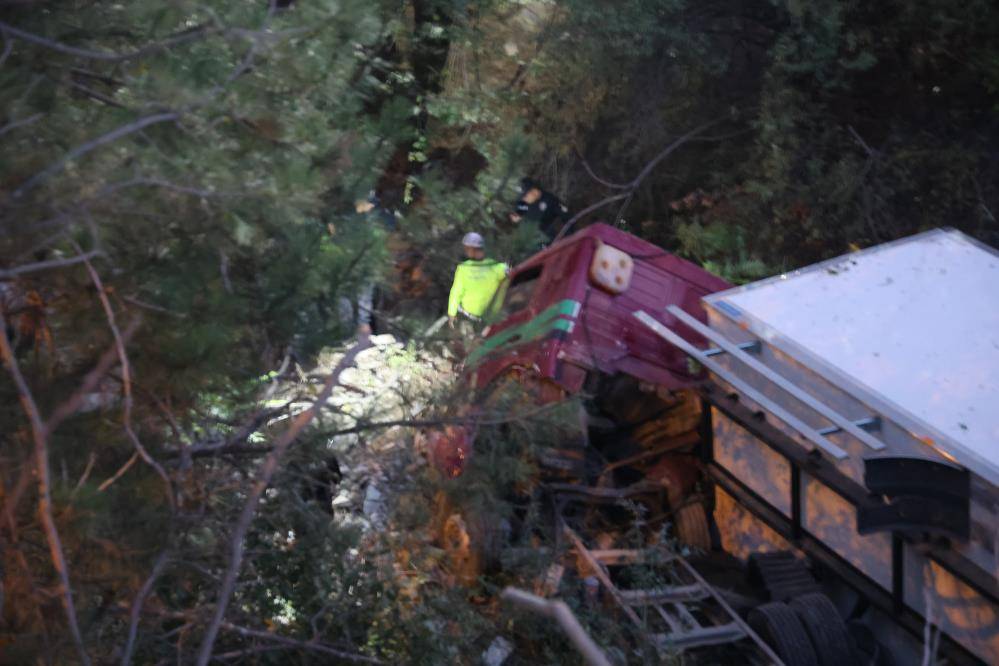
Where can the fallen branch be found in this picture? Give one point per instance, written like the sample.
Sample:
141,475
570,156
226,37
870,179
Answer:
267,469
44,488
559,611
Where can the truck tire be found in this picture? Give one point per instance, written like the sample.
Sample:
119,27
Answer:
825,628
692,526
779,626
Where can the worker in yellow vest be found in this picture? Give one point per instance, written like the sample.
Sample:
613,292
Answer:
476,281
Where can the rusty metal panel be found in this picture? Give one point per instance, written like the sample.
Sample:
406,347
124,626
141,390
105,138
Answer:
742,533
956,608
760,468
832,519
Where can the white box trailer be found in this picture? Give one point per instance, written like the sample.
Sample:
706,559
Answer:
854,417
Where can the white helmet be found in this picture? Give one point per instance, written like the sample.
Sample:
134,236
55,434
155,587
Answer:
473,239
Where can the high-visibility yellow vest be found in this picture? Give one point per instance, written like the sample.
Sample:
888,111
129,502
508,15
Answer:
475,283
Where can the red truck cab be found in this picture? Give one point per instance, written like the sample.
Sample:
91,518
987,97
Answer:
567,311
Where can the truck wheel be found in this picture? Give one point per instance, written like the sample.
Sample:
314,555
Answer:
692,526
826,628
779,626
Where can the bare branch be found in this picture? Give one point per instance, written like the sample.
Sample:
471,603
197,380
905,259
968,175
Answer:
8,46
186,36
96,95
863,144
267,470
44,494
313,646
83,477
14,497
224,271
631,187
155,308
85,148
104,363
46,265
167,185
235,446
120,473
126,374
586,211
605,183
138,602
669,151
14,124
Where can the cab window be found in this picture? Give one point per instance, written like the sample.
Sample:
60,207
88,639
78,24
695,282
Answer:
520,291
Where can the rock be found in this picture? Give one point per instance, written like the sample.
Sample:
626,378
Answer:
374,505
498,652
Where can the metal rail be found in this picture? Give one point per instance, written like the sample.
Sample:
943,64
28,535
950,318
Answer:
784,383
685,629
738,384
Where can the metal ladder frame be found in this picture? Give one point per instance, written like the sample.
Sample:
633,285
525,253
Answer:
685,630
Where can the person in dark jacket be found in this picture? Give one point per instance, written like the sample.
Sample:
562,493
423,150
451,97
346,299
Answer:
541,206
362,308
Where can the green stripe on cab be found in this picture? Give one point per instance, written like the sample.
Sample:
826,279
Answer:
549,319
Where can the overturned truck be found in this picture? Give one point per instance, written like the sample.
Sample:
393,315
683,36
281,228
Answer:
835,428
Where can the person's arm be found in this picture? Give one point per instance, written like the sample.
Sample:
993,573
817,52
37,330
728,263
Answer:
520,209
457,289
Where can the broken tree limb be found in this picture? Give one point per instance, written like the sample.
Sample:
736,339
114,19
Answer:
267,469
559,611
